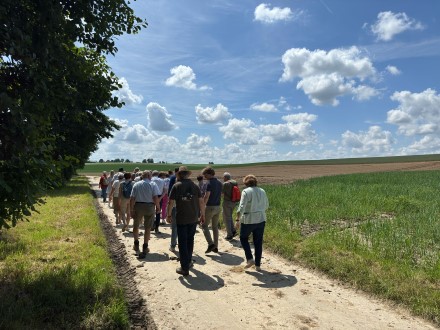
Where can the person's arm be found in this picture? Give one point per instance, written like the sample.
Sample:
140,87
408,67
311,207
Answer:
206,197
132,201
170,210
202,210
156,202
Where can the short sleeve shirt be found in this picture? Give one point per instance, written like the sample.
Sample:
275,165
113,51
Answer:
215,187
186,194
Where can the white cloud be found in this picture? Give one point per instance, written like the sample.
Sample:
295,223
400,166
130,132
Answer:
264,107
183,76
393,70
325,76
266,15
159,119
417,113
427,144
125,94
297,130
363,93
210,115
389,24
242,131
373,142
195,141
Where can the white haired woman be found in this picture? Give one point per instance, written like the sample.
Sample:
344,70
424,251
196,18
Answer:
251,218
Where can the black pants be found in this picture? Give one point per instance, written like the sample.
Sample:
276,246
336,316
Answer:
185,234
157,222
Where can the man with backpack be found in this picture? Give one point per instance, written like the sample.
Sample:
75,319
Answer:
124,198
231,196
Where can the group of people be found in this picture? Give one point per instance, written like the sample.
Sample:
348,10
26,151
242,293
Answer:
188,205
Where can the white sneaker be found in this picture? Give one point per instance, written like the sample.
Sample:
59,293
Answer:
249,263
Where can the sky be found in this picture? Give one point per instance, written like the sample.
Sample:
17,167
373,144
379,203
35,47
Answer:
229,81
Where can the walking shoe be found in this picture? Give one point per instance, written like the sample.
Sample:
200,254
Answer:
258,268
124,227
229,237
182,271
136,246
215,250
249,263
210,248
145,250
173,249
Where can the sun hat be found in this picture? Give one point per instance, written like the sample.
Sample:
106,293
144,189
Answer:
184,169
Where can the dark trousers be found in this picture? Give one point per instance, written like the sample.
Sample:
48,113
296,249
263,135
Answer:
157,222
257,231
185,235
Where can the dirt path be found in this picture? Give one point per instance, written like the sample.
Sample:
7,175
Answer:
220,294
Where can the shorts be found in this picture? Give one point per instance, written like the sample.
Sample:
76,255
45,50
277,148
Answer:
145,210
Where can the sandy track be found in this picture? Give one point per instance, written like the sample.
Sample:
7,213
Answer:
220,294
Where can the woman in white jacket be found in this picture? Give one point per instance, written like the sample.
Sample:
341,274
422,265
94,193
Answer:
251,218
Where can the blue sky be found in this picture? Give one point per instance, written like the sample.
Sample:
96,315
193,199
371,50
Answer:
247,81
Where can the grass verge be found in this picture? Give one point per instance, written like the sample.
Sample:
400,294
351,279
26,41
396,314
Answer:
55,271
379,232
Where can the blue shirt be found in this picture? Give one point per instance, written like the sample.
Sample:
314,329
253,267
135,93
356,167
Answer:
215,188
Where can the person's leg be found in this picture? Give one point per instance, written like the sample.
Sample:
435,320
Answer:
173,229
123,210
214,224
136,221
227,218
191,233
157,222
245,231
257,234
104,194
164,206
182,234
116,208
205,226
149,217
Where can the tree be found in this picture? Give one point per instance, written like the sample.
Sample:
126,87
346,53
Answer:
150,161
101,160
54,86
144,161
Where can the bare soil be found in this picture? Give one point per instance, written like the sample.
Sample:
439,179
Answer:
220,293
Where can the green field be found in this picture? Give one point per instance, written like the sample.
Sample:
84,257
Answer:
97,168
55,272
380,232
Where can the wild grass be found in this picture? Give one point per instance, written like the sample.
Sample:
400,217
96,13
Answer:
378,231
55,271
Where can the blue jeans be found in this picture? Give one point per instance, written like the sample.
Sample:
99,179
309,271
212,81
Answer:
173,228
257,231
104,194
186,233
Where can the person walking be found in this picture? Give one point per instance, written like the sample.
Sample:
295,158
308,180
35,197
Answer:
125,189
228,205
161,185
114,195
251,218
109,187
212,200
186,195
103,184
144,204
173,242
